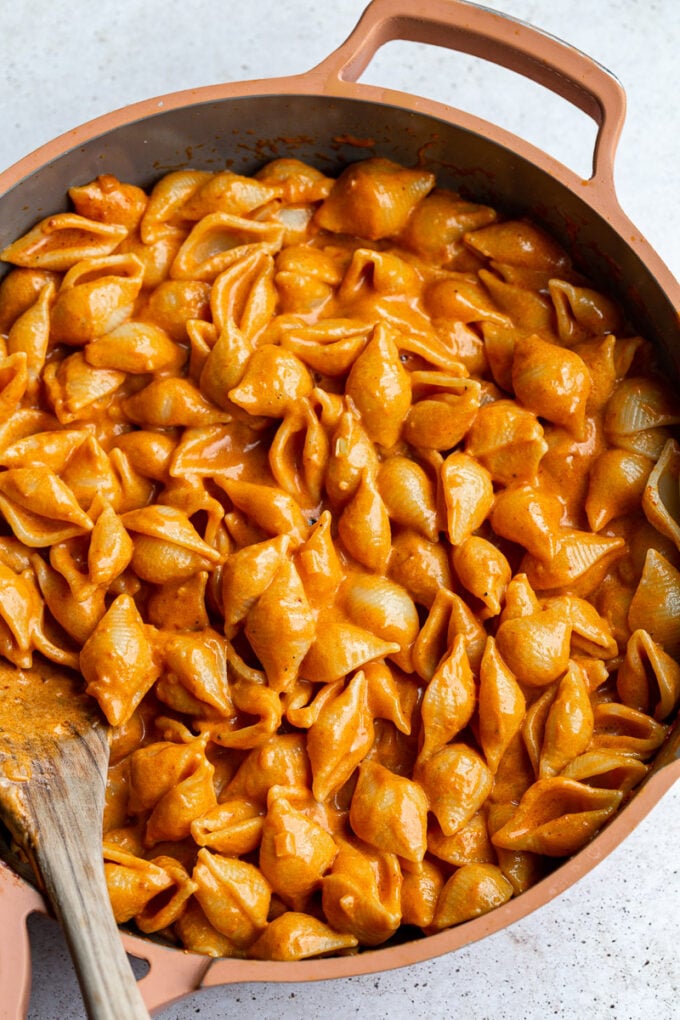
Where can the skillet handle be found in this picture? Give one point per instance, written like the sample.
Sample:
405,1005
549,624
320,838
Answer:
481,32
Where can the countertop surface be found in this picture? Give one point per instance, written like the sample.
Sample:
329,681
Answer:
608,947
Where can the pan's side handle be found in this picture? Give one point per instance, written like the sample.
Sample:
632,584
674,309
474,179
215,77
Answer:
481,32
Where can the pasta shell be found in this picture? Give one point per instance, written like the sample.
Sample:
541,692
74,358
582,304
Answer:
299,454
351,454
583,312
579,564
59,241
508,441
469,845
380,388
364,527
528,309
217,240
19,290
273,381
117,661
569,723
384,272
109,200
95,297
661,497
420,890
232,827
234,896
76,390
30,334
132,882
472,890
247,573
40,508
361,895
536,648
551,381
420,566
373,198
389,812
618,480
340,738
557,817
297,181
172,401
135,347
613,770
173,304
519,243
501,705
626,729
639,404
281,627
483,571
270,508
386,609
528,516
648,679
456,782
436,227
448,702
243,296
299,936
468,495
409,495
157,917
655,606
295,852
329,346
341,647
442,420
318,563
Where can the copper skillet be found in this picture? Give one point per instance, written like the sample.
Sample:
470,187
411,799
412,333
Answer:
319,116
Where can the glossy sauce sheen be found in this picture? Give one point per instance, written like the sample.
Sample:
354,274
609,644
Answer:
356,508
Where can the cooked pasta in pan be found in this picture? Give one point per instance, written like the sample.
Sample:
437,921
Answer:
357,508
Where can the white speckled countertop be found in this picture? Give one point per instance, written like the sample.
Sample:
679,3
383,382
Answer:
609,946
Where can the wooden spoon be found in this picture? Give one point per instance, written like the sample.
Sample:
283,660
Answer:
54,754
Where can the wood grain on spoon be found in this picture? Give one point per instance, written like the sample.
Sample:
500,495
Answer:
53,761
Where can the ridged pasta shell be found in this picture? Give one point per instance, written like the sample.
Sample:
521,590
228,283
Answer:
351,454
501,705
59,241
640,404
373,198
568,725
299,936
527,309
380,388
551,381
281,627
469,845
528,516
340,647
421,566
295,852
483,571
246,574
340,738
583,312
30,334
219,239
472,890
436,227
385,608
76,390
626,729
409,495
519,243
456,782
661,497
170,402
609,769
269,507
580,562
536,648
364,527
442,420
117,661
132,882
232,827
362,893
467,493
655,606
383,272
273,381
557,817
389,812
461,296
135,347
234,895
618,480
648,679
318,563
40,508
95,297
109,200
508,441
448,702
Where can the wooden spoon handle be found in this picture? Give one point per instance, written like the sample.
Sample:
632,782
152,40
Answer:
68,857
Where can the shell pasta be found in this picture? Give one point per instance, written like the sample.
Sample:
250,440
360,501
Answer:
357,508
